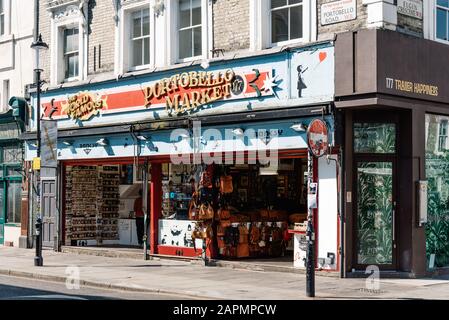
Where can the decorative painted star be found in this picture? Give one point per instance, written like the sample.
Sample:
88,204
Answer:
270,83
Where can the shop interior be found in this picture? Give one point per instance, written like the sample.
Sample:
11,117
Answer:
252,215
100,205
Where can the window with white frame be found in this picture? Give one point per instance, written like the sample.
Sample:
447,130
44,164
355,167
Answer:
286,20
189,29
71,52
140,37
2,18
442,20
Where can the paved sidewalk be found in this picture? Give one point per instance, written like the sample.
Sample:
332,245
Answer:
195,280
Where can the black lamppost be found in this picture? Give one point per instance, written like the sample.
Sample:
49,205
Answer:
38,45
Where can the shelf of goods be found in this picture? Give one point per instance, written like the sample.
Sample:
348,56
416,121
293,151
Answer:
92,203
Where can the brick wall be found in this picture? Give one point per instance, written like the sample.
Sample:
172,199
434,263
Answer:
410,25
231,25
101,41
329,30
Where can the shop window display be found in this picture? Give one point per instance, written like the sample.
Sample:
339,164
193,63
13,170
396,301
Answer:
437,173
99,205
240,211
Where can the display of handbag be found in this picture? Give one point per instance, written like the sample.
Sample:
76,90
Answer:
202,232
226,184
224,214
221,230
207,176
193,208
206,212
278,215
254,234
242,250
297,217
243,234
225,223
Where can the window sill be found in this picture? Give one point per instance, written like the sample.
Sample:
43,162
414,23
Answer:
288,43
140,68
441,41
191,59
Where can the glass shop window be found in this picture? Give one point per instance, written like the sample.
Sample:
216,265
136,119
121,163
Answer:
375,138
437,174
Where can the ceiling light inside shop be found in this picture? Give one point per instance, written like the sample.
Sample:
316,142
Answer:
238,132
67,143
269,170
103,142
143,138
299,127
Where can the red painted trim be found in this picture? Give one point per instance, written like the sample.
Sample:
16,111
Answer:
178,251
156,205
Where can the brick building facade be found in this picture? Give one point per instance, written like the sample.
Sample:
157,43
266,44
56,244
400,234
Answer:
115,48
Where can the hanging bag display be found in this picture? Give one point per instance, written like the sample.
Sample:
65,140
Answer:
226,184
206,212
193,208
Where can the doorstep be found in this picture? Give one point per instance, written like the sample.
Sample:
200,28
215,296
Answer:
383,274
137,254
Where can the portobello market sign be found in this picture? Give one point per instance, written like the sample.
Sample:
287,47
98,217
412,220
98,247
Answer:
179,94
189,91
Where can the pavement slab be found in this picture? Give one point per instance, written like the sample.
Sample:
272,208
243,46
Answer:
196,280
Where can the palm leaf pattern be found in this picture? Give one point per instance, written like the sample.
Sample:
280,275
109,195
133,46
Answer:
374,220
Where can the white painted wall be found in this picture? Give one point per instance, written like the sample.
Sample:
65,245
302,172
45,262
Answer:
327,209
16,56
12,234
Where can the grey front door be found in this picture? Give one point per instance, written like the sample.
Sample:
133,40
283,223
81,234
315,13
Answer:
49,213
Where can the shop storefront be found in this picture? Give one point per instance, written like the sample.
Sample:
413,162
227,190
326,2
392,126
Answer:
395,112
11,155
223,147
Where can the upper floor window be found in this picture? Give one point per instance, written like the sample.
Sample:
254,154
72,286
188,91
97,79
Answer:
189,29
140,39
286,20
442,17
2,18
71,52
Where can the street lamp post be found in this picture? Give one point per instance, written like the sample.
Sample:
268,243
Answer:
38,45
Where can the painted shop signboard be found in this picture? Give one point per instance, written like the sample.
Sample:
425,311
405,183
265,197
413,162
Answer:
280,80
411,8
338,11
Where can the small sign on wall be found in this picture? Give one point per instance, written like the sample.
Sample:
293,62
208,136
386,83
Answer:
338,11
411,8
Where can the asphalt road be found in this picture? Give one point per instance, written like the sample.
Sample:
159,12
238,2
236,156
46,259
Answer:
14,288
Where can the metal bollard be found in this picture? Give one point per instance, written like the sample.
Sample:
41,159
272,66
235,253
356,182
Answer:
38,260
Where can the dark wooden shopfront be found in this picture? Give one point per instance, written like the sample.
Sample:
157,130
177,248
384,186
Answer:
387,80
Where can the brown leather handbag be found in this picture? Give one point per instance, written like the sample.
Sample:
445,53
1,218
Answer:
226,184
206,212
243,250
224,214
225,223
193,209
243,234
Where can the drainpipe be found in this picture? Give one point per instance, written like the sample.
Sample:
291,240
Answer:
342,216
